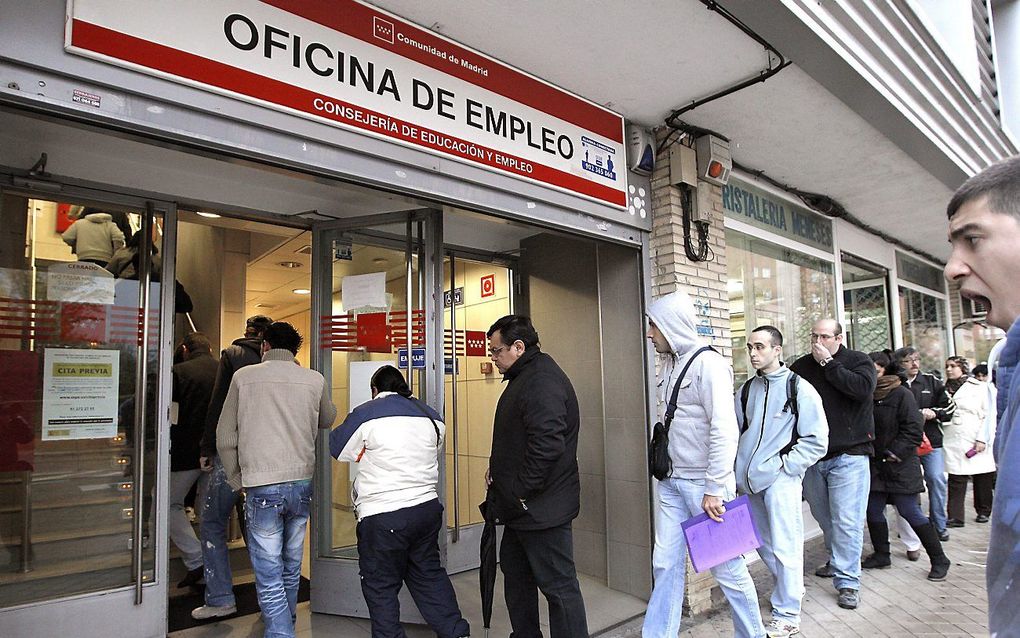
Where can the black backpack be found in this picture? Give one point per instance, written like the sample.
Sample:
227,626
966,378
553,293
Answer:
791,404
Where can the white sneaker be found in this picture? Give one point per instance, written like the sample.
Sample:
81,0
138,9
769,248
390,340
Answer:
205,612
781,629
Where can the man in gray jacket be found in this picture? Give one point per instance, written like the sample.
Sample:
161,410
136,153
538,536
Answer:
783,433
266,442
702,446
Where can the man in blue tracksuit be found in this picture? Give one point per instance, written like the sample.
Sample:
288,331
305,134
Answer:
783,433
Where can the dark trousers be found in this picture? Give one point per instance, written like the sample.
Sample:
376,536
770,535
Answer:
543,560
984,485
403,547
907,505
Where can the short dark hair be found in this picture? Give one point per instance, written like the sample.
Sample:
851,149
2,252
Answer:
902,353
197,342
281,334
1000,182
255,325
389,379
980,368
889,364
774,335
513,328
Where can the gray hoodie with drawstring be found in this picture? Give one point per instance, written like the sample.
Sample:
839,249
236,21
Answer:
703,435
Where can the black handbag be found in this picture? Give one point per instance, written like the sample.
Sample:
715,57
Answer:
659,463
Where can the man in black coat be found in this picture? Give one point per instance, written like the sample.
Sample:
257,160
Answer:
837,486
193,380
936,407
220,498
533,483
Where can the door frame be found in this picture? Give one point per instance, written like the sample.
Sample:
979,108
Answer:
141,605
334,574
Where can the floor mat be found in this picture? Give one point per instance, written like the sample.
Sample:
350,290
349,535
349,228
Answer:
180,605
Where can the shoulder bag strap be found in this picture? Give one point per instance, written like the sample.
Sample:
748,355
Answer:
671,407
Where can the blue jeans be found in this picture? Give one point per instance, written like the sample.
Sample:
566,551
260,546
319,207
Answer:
837,491
780,521
219,502
277,515
934,466
678,500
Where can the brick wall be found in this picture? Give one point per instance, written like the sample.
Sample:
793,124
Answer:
705,282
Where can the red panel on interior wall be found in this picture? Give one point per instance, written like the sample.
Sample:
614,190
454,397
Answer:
488,285
374,334
64,219
474,344
19,394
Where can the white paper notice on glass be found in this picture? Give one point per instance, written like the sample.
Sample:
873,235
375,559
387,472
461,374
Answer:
80,393
79,281
364,291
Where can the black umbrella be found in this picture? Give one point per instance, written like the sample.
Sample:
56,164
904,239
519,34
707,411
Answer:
487,566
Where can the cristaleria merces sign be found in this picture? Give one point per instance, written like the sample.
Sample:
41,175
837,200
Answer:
354,66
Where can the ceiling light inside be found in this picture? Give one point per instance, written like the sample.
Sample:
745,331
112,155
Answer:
301,291
209,215
290,264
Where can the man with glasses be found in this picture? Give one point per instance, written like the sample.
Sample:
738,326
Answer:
837,486
534,488
937,407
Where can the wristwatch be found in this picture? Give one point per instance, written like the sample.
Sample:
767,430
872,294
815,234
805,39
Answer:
825,362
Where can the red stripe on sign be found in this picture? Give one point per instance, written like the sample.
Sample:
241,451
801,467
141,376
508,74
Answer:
186,65
359,21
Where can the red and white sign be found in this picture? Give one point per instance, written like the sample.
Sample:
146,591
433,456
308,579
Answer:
488,285
351,65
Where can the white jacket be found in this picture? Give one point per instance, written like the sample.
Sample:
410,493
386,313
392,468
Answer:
704,433
396,446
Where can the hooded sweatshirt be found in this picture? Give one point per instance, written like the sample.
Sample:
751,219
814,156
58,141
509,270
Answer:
769,431
703,435
94,236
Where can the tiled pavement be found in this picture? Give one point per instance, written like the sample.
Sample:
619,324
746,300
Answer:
898,601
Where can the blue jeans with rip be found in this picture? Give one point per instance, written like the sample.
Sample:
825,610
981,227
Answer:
219,502
677,500
837,491
277,516
934,465
779,518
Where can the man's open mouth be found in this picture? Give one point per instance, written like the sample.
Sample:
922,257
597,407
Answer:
981,303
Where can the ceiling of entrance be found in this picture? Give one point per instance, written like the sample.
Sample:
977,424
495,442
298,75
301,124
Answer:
790,126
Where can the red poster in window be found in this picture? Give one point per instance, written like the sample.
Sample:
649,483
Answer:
474,343
488,285
374,334
19,396
84,322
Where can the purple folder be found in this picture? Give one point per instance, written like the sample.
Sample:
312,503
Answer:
710,543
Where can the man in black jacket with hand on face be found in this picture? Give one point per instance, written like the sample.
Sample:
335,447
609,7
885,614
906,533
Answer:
837,486
534,487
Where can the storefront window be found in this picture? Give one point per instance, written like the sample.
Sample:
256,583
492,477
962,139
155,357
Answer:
778,286
923,320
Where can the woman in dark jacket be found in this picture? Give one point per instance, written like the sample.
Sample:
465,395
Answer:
896,469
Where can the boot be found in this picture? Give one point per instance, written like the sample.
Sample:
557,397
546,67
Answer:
880,541
933,547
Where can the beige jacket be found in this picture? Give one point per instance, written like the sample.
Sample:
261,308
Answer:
270,419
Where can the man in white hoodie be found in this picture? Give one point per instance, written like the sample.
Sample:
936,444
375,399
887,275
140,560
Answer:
702,447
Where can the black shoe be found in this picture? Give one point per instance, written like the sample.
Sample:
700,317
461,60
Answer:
848,598
878,560
192,578
954,522
939,569
825,571
943,536
982,518
933,547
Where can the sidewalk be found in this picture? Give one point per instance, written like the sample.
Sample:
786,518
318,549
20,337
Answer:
898,601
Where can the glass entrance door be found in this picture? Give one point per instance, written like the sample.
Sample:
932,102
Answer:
85,330
377,298
866,302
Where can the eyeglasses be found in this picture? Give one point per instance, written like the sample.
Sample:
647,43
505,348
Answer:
818,337
494,352
912,360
